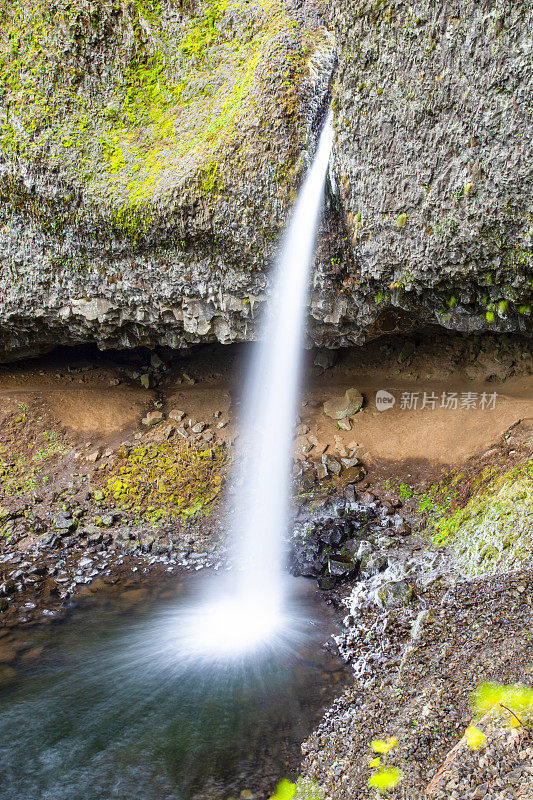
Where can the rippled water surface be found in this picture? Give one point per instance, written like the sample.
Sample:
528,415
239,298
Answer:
104,705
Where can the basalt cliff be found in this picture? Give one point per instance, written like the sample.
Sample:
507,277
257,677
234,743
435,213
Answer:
151,153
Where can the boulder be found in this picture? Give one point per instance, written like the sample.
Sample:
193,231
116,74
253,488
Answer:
307,479
353,474
325,359
347,405
395,593
333,465
373,562
321,471
176,415
341,567
152,418
403,529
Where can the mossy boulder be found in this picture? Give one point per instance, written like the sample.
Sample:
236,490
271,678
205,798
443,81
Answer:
150,155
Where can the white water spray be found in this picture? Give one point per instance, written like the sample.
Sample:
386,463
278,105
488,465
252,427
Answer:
248,610
271,394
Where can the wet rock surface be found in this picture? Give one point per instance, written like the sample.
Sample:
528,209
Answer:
415,669
348,538
47,577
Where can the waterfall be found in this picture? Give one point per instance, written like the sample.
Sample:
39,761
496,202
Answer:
248,607
271,393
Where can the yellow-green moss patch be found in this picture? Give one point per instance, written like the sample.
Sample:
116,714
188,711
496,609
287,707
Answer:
26,462
161,481
493,532
131,98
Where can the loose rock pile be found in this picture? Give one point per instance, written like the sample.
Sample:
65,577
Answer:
503,770
351,542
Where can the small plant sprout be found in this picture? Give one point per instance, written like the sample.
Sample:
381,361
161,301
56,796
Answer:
401,221
284,790
405,490
475,738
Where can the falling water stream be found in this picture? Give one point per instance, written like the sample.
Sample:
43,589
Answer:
209,690
251,607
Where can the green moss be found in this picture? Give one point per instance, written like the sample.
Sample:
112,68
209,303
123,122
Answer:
162,481
23,466
494,530
503,307
401,221
203,31
165,102
445,227
210,182
518,258
405,490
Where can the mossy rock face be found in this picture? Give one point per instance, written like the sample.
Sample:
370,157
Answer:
494,531
151,152
433,164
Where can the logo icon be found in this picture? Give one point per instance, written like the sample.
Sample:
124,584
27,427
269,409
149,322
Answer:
384,400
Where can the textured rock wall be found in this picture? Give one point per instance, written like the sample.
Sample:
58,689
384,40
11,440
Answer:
434,160
151,154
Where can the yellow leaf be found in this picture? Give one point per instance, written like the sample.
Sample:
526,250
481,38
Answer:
489,695
475,738
386,779
375,763
284,790
380,746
